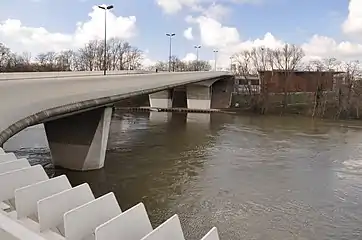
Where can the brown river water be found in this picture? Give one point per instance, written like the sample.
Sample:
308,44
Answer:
252,177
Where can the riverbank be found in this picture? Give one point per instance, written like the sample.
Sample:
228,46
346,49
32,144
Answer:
327,106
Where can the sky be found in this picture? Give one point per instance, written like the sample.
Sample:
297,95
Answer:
323,28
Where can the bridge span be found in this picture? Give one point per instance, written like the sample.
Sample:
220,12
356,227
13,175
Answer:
76,108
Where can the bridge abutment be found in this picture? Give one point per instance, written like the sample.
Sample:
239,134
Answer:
161,99
79,142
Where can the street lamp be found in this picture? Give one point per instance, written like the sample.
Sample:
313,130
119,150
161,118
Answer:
170,35
105,8
197,47
215,52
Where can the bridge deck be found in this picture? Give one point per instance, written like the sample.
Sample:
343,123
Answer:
23,95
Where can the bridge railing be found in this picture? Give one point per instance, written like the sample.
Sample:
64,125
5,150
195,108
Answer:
29,75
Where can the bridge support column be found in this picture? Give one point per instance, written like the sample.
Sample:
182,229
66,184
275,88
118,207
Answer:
161,99
79,142
198,97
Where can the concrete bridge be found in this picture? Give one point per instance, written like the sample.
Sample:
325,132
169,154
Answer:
76,108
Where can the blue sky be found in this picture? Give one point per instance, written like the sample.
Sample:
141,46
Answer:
293,21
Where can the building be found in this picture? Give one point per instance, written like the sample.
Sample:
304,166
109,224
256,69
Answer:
247,84
298,81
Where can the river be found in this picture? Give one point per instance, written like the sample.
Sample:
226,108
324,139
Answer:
252,177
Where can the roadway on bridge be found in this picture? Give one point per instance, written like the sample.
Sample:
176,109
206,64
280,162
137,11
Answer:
22,98
36,75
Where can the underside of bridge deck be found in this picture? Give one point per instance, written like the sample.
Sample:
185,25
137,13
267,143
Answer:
202,95
79,142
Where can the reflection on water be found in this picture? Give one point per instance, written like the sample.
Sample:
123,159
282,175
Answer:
252,177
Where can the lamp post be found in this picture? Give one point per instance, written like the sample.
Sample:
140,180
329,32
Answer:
105,8
170,35
215,52
197,47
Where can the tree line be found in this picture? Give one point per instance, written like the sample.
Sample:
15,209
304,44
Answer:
177,65
345,100
121,55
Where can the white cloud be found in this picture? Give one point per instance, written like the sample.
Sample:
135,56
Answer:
190,57
174,6
214,10
188,34
37,39
227,40
147,62
321,46
353,24
214,34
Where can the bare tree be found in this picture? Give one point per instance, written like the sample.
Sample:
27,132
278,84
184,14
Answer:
347,89
287,59
250,64
320,99
183,66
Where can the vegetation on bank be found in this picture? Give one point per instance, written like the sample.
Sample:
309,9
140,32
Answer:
344,101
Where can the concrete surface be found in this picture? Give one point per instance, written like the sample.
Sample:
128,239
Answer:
79,142
27,102
161,99
198,97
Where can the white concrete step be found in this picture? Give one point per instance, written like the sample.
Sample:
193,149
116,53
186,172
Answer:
212,235
10,181
51,217
26,198
96,212
13,165
6,157
133,224
34,207
171,229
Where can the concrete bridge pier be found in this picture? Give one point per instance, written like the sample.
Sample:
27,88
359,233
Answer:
198,97
161,99
79,142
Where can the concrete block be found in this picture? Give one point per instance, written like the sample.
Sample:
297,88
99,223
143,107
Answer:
13,165
171,229
212,235
13,180
198,104
161,99
133,224
34,227
2,151
26,198
52,209
16,230
6,157
91,215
